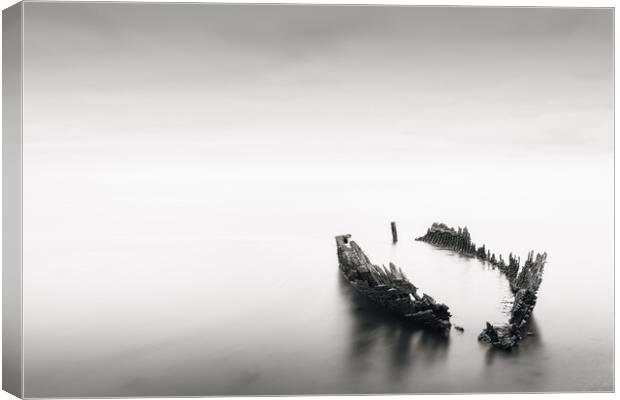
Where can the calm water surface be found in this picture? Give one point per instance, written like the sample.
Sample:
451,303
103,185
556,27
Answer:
202,287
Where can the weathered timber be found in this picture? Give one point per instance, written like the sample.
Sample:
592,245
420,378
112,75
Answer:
389,287
503,337
443,236
524,283
394,233
526,286
459,240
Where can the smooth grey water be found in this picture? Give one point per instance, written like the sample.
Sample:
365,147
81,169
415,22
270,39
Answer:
194,287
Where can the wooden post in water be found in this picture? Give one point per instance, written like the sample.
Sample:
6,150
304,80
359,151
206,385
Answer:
394,233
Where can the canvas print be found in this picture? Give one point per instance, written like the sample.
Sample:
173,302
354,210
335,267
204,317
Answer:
238,199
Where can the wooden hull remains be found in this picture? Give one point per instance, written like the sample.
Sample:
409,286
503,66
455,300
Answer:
524,282
389,288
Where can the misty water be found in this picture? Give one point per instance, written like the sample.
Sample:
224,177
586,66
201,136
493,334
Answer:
187,280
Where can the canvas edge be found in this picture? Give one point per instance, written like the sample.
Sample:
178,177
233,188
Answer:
12,276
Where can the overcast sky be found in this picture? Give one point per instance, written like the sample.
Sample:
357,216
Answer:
300,83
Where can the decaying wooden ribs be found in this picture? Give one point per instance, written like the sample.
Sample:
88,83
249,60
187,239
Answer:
525,287
460,241
389,287
524,284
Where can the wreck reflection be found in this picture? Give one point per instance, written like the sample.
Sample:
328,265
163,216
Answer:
385,342
532,344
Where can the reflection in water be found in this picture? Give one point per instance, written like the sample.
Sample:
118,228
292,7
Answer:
531,344
377,333
385,344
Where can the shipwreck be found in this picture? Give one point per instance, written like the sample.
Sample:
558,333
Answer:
524,282
389,287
